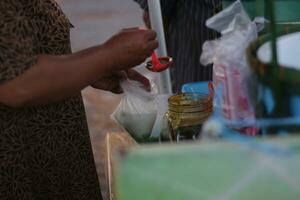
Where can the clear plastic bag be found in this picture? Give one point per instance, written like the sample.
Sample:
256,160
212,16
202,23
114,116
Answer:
137,110
228,54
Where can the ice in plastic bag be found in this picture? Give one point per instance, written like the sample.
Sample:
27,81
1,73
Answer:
137,110
228,54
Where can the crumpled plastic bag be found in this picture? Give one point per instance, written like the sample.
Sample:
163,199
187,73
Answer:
137,110
228,55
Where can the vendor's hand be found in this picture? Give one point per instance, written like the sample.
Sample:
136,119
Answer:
112,83
131,47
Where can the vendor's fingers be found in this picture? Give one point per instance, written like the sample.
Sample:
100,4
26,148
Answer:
114,86
114,82
117,90
150,35
117,77
153,45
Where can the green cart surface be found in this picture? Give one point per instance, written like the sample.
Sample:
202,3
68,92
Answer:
224,170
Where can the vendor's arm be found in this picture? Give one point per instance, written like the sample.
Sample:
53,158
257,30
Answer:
53,78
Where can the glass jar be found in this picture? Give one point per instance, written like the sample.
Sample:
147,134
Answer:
186,114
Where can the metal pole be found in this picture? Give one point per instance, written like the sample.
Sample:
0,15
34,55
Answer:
164,85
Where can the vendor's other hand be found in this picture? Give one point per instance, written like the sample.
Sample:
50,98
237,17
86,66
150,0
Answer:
131,47
112,82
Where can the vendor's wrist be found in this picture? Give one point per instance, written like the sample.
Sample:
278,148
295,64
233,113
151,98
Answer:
112,57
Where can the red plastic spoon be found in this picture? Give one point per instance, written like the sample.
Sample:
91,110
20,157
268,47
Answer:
159,64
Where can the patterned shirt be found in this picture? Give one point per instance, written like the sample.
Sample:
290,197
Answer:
45,151
186,32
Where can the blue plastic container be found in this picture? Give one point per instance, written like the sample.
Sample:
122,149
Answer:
196,87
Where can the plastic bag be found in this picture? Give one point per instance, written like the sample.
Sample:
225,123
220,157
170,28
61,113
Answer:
228,54
162,107
137,110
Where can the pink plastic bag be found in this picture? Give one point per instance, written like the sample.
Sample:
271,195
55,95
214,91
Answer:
228,55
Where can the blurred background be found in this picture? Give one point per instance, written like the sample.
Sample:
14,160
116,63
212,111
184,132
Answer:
95,21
